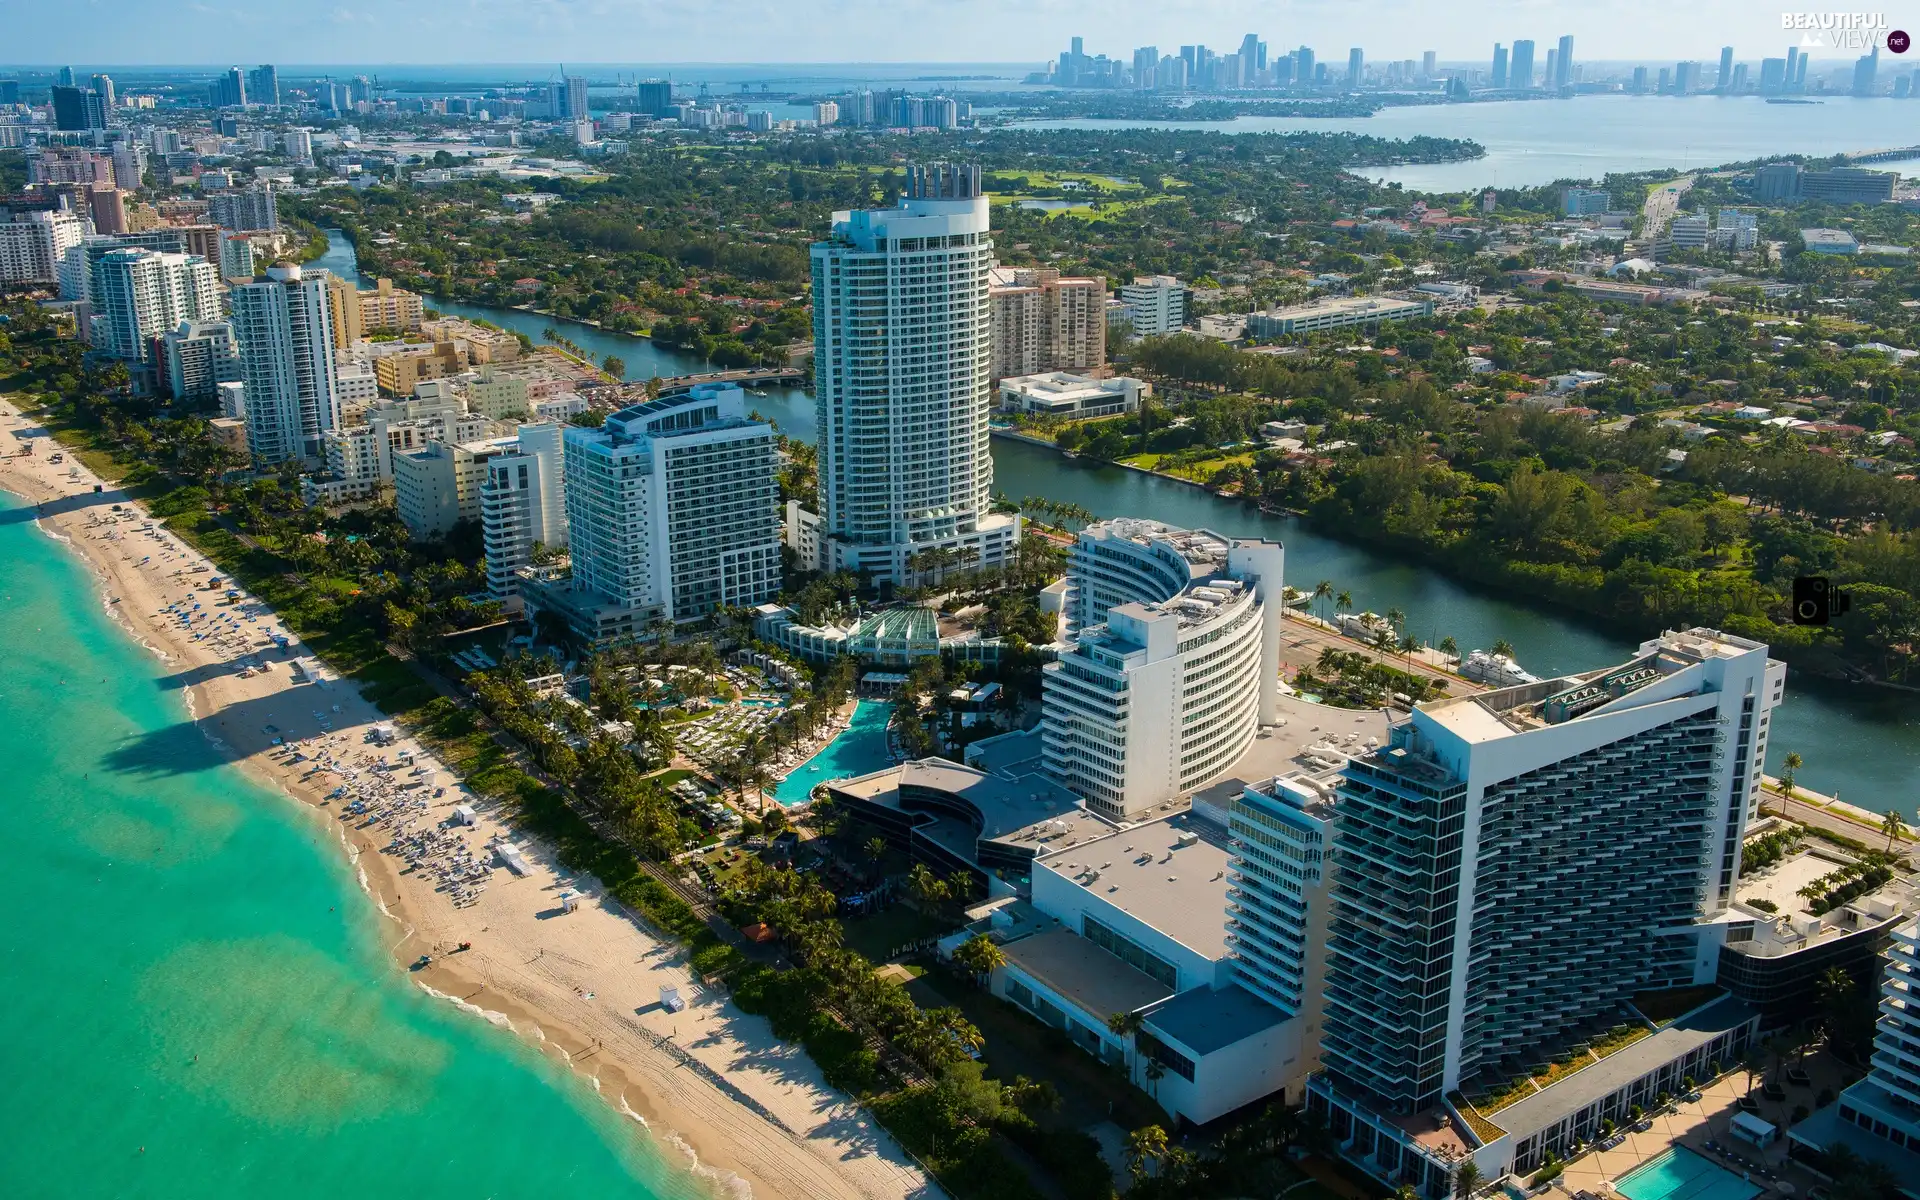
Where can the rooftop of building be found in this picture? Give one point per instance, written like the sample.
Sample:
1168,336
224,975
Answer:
1169,873
1208,1020
1026,810
1503,712
1594,1083
909,623
1342,305
1063,384
1203,549
637,419
1826,1130
1077,970
1793,925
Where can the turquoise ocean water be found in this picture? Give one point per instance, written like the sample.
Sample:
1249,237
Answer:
164,908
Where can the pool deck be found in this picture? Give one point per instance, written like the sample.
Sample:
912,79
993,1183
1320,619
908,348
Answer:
1693,1125
1687,1176
795,786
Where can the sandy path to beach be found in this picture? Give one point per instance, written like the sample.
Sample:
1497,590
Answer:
752,1112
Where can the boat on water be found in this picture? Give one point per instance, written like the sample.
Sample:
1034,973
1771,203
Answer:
1791,100
1495,670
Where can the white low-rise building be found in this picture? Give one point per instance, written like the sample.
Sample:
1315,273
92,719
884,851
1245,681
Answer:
1338,312
1064,394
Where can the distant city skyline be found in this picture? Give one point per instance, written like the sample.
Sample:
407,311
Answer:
414,32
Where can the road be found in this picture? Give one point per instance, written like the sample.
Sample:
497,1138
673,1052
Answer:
1302,640
1810,814
1662,203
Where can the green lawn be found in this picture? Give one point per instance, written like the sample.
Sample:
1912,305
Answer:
875,936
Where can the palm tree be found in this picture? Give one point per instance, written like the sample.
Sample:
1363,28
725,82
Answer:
1893,827
1450,648
1789,766
876,848
1155,1072
1322,592
1503,647
928,887
980,956
1144,1147
1125,1024
1466,1180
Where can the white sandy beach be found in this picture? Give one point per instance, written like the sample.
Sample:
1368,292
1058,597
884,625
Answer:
753,1112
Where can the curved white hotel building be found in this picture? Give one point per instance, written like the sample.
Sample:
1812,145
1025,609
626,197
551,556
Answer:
1173,664
903,354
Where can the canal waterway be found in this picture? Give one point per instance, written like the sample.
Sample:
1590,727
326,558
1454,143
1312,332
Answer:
1862,744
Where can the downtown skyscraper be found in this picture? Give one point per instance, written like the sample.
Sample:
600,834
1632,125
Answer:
1520,65
903,355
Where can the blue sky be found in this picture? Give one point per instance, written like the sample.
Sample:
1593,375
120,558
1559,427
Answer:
108,32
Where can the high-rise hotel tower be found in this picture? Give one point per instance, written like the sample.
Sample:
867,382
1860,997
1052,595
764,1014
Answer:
903,356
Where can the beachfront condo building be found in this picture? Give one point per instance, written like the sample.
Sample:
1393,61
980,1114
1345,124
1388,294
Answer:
523,505
672,511
1044,322
33,244
1509,871
1878,1118
285,331
140,294
438,485
196,357
903,362
1172,666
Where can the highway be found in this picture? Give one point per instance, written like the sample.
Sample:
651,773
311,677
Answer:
1662,203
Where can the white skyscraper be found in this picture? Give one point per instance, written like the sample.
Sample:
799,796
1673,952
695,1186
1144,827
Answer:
286,360
140,294
1157,304
1513,866
1173,666
33,245
903,356
199,357
673,511
523,504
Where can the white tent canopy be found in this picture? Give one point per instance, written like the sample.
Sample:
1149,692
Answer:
1753,1129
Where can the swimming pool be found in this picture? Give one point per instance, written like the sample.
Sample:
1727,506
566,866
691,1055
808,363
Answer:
1680,1174
859,750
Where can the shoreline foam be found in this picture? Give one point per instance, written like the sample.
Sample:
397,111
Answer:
580,987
